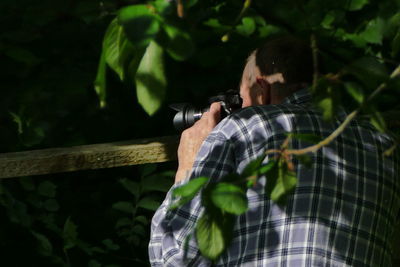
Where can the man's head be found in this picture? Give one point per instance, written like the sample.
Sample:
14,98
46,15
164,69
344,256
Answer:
275,71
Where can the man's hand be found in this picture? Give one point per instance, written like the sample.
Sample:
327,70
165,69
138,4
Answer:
193,137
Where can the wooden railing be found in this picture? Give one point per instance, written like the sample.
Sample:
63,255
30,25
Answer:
108,155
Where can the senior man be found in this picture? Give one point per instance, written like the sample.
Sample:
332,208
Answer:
344,207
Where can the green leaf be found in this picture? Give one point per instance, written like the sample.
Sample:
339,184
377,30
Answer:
326,105
47,189
188,191
150,79
140,24
311,138
180,45
374,31
357,4
141,219
396,45
110,244
210,237
147,169
191,188
247,27
139,230
229,198
148,203
369,71
94,263
253,167
355,91
123,206
51,205
132,187
123,222
117,48
156,182
27,183
285,183
100,82
280,182
378,121
45,247
306,160
70,234
267,167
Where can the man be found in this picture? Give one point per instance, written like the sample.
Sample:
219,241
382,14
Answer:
344,207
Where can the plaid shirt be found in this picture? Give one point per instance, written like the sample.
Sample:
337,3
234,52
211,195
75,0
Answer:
342,212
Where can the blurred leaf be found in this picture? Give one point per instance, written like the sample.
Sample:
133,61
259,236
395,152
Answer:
252,168
150,79
27,183
47,189
51,205
188,191
180,45
396,45
110,244
94,263
156,182
148,203
326,105
141,219
306,160
132,187
147,169
373,32
45,247
378,121
369,71
18,120
22,55
123,206
70,234
214,23
229,198
139,230
123,222
247,27
210,237
140,24
100,82
267,167
355,91
280,182
357,4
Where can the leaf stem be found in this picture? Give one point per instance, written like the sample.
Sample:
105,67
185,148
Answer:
341,127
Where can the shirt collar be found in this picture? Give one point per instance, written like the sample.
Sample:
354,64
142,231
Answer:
299,97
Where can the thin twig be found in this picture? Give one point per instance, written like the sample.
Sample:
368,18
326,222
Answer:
341,128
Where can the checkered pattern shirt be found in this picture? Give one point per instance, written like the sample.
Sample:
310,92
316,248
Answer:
342,212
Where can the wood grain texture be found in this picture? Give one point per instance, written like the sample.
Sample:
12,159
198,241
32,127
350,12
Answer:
96,156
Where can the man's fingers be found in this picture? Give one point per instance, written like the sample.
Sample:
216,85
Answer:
215,114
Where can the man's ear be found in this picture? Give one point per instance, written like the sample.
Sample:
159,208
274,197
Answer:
265,91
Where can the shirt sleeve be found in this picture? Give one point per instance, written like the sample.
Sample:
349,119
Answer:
172,240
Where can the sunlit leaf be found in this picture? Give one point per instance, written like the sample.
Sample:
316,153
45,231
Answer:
188,191
180,45
150,79
355,91
357,4
326,105
100,82
140,24
373,32
210,237
247,27
229,198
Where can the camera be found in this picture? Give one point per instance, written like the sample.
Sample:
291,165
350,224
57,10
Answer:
187,114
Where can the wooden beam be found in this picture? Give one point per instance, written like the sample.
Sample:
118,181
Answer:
97,156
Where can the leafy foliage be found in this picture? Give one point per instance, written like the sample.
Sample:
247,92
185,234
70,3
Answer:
137,56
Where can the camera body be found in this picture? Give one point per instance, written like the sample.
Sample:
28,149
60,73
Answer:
187,114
